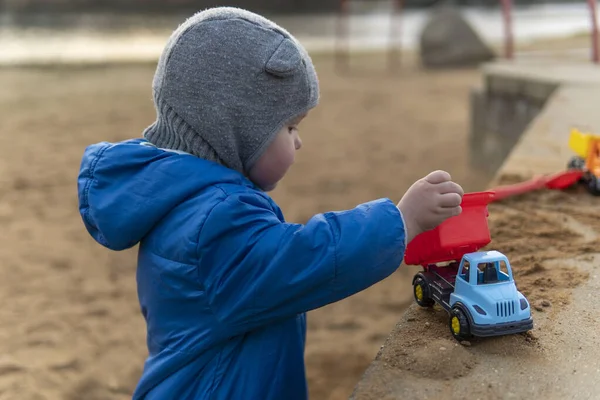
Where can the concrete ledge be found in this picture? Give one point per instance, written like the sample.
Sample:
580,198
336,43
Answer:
544,148
552,240
545,72
512,97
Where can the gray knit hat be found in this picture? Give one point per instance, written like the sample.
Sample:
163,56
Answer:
228,80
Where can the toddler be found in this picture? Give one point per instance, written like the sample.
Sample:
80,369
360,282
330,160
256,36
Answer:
224,281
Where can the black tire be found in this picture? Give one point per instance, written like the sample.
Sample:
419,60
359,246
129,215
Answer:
593,185
459,325
421,293
576,163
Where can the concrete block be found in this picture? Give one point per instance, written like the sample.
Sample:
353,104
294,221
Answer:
502,85
538,91
478,117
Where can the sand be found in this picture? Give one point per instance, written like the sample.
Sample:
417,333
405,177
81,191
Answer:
70,325
547,225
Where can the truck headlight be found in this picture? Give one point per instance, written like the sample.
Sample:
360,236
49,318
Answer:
524,304
479,310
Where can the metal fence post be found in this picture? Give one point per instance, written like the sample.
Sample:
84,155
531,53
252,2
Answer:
594,33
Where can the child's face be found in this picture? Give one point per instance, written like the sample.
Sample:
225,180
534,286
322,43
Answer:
272,166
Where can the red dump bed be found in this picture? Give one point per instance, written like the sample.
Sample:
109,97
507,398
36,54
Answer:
455,237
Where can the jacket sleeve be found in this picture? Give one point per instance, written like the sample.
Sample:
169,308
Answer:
256,269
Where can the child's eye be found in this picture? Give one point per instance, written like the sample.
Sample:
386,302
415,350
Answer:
291,129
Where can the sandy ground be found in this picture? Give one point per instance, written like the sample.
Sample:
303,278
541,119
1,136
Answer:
70,326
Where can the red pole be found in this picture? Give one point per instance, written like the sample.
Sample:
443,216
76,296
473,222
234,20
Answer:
395,36
342,32
595,56
508,33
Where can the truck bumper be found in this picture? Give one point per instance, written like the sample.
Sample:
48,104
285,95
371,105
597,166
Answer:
507,328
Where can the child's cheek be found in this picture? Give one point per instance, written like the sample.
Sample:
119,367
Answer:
272,166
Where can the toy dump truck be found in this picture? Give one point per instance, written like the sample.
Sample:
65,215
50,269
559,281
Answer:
587,149
475,287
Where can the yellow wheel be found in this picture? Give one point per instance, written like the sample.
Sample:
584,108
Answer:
455,325
421,292
459,325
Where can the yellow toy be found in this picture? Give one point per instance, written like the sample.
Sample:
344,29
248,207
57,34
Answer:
587,160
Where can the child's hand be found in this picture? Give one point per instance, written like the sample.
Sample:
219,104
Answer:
429,202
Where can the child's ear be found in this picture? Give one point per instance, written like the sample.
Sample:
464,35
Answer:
285,60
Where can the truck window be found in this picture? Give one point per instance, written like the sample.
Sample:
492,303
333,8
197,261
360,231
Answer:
465,271
503,269
487,273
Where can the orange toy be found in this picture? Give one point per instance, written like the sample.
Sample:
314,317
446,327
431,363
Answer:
587,160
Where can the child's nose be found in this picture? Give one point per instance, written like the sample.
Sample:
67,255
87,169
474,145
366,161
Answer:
298,142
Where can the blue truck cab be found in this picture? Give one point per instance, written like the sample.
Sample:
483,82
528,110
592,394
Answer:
479,294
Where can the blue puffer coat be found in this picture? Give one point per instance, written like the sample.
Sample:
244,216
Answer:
223,280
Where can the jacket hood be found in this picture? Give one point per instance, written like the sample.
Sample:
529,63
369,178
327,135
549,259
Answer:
126,188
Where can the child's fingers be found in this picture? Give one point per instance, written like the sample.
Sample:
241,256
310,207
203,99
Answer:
436,177
450,200
448,212
450,187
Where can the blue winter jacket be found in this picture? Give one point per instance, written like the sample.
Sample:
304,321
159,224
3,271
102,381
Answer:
223,280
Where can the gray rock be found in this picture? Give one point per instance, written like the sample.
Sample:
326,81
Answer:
448,41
